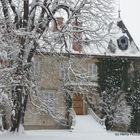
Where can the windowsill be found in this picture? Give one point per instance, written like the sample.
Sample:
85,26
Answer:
81,83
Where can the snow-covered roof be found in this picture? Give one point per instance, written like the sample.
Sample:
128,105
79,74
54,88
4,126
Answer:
118,43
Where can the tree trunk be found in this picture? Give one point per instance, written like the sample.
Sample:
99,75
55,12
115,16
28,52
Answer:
20,91
18,95
68,107
20,102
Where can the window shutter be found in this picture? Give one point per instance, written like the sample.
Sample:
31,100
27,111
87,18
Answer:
62,72
90,70
94,72
35,69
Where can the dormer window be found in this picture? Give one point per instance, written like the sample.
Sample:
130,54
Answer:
123,43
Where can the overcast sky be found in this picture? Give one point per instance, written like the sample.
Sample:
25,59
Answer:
130,14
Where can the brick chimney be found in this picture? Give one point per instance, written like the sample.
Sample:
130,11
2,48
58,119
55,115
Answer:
57,25
76,37
76,46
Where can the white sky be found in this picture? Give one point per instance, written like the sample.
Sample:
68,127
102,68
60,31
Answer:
130,14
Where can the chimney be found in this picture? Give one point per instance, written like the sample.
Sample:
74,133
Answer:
57,25
76,37
76,46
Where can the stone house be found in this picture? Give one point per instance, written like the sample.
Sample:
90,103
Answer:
78,75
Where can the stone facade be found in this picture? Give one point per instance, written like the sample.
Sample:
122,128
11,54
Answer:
76,74
54,75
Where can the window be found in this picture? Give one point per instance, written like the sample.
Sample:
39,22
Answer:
35,69
59,101
48,97
63,71
93,72
123,43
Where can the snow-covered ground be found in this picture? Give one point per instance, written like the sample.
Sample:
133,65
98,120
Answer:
86,129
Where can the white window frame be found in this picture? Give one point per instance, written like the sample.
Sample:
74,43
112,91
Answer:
93,72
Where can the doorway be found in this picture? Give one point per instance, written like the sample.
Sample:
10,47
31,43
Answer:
78,104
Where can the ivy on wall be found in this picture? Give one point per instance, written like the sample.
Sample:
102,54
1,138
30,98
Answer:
133,97
113,85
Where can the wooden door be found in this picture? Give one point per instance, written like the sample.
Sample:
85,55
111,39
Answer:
78,104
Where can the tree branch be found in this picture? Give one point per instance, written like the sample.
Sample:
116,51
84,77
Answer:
16,19
26,13
6,14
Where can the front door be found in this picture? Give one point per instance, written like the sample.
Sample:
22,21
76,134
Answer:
78,104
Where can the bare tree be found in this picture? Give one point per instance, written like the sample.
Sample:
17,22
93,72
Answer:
26,26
